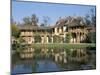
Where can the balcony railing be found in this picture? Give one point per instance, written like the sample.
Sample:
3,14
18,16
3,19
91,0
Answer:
26,34
36,33
78,30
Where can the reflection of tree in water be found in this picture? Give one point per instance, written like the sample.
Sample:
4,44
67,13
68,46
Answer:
80,59
71,57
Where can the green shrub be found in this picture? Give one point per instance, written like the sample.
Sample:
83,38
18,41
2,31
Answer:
68,37
91,37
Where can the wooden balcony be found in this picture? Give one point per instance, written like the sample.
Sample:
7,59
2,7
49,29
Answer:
78,30
26,34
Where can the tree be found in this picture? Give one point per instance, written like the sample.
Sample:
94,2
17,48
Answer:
90,19
27,21
93,17
46,20
15,31
34,20
87,20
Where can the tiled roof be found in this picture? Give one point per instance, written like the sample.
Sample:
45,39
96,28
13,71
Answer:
31,27
71,21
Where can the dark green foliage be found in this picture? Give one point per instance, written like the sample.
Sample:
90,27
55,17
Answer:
21,40
74,53
57,39
15,46
68,37
15,31
37,38
91,37
60,46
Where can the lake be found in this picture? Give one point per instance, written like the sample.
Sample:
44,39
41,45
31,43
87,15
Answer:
50,60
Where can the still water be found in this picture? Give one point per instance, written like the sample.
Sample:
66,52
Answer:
53,61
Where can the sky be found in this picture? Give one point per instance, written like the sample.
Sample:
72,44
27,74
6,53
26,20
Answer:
52,10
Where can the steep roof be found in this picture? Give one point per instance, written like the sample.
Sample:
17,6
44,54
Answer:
71,21
68,21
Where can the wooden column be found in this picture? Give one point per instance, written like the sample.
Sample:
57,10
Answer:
42,39
78,37
47,39
33,39
52,39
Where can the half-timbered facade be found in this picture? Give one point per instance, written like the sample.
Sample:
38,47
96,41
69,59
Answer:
75,26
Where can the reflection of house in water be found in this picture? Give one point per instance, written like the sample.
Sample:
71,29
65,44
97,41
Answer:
75,26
